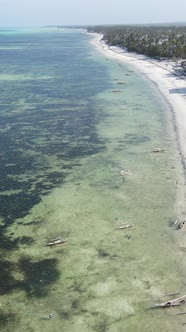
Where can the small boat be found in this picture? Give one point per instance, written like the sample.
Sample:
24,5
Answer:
56,242
125,172
123,226
172,303
159,150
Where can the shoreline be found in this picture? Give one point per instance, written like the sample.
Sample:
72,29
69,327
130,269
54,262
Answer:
172,87
170,84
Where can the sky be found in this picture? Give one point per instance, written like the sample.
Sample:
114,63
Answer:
18,13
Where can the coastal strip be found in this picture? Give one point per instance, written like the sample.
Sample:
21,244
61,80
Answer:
162,72
172,85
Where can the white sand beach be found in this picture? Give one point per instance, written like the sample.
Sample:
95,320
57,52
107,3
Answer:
170,83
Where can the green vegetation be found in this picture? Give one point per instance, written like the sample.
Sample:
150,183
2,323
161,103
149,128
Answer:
154,41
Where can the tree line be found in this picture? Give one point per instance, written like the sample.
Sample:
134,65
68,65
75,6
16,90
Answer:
152,40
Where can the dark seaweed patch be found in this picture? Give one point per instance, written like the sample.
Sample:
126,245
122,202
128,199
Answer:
75,137
8,283
6,242
58,119
38,276
26,240
17,205
34,222
6,318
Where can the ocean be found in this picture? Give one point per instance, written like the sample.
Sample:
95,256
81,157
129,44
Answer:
71,120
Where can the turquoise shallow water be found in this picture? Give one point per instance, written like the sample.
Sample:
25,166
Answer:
71,121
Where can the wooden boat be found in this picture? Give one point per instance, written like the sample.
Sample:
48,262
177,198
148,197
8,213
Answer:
126,172
180,224
56,242
158,150
124,226
172,303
